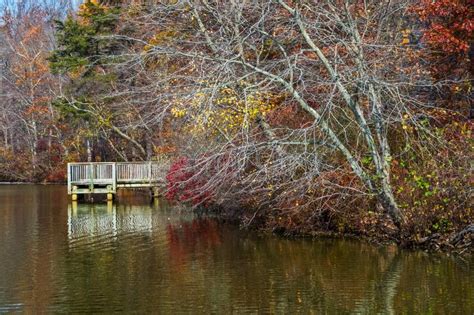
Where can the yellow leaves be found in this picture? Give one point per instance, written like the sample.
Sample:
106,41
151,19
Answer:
160,38
90,10
84,8
77,72
406,37
134,9
178,113
224,112
104,121
405,125
236,111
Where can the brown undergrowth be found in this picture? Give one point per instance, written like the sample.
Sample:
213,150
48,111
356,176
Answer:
433,187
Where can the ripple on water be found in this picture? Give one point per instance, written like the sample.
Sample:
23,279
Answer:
101,258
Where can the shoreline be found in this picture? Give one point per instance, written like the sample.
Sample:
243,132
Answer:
456,242
439,243
32,183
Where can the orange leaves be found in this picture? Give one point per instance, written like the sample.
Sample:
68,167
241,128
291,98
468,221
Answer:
164,149
446,39
28,45
38,113
32,33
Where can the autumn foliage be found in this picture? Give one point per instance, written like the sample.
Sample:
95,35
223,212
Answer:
184,185
449,24
342,117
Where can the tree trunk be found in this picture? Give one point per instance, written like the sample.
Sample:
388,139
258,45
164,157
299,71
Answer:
388,203
89,150
34,148
5,137
148,146
268,132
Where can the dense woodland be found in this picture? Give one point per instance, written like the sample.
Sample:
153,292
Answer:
351,117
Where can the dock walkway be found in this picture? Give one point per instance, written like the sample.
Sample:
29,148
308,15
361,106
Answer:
107,177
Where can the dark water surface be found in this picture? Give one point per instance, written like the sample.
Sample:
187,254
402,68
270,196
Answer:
137,257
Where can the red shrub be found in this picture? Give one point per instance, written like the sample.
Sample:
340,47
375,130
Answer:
184,185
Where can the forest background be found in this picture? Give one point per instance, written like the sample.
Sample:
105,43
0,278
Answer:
300,117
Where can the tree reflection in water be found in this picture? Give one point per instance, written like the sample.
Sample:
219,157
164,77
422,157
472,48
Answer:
189,240
136,257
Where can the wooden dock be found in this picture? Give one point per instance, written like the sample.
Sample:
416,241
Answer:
107,177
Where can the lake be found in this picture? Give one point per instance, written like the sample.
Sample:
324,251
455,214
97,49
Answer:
133,256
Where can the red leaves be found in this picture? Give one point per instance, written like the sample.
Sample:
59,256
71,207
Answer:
445,39
57,175
176,175
289,116
450,24
183,185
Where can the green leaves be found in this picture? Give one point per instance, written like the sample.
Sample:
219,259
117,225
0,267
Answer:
78,109
80,47
76,44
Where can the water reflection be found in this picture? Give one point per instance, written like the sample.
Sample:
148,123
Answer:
100,219
137,257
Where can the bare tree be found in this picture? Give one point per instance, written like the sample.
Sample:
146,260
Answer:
340,63
27,85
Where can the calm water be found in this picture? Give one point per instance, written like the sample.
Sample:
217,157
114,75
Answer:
137,257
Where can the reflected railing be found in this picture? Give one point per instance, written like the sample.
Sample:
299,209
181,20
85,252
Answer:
100,219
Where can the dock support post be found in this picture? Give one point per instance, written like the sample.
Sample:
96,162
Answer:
73,193
156,203
155,193
110,206
110,197
74,208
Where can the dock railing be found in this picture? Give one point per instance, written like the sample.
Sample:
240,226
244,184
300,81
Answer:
112,175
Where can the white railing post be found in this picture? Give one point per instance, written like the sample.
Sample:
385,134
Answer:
150,172
91,176
114,176
69,187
